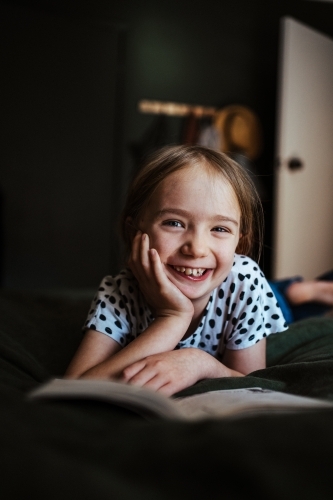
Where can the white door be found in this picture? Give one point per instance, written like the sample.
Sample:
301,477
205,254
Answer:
303,229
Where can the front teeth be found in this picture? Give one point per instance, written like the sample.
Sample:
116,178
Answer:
189,271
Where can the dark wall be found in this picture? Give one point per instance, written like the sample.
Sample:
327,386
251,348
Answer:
65,169
58,176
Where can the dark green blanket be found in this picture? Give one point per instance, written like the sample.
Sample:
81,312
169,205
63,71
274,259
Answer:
92,450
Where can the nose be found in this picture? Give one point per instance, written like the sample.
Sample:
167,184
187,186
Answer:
195,246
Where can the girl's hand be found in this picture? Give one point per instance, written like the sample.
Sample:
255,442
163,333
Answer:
168,372
161,294
171,371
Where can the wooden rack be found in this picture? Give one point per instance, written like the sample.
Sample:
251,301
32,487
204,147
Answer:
174,108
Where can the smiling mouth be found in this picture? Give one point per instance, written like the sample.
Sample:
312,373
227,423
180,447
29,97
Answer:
190,271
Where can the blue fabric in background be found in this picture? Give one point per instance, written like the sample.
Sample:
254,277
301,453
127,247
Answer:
279,287
293,313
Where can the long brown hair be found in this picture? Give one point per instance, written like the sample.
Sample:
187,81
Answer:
172,158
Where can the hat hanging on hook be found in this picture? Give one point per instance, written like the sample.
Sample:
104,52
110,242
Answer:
240,131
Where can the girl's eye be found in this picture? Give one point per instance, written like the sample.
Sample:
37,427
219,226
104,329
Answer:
172,223
220,229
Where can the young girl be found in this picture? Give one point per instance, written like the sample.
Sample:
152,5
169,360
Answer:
191,304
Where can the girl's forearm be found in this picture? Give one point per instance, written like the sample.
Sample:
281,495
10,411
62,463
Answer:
161,336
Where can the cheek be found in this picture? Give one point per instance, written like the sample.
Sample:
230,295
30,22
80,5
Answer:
225,253
155,239
163,243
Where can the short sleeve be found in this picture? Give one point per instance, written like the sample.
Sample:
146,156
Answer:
253,311
118,309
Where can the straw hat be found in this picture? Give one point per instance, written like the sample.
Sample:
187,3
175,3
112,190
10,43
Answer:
240,131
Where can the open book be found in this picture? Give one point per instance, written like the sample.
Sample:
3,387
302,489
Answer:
214,404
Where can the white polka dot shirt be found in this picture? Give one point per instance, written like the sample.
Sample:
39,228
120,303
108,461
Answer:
240,312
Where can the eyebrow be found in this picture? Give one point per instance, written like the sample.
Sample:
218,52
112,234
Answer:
185,213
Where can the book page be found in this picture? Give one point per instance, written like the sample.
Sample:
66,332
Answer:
217,404
143,401
244,401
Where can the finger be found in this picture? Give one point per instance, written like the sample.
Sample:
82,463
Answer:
135,246
131,370
157,267
144,252
140,373
169,389
155,383
158,270
152,383
145,374
134,259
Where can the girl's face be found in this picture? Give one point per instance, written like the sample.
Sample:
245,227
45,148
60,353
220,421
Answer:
193,221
